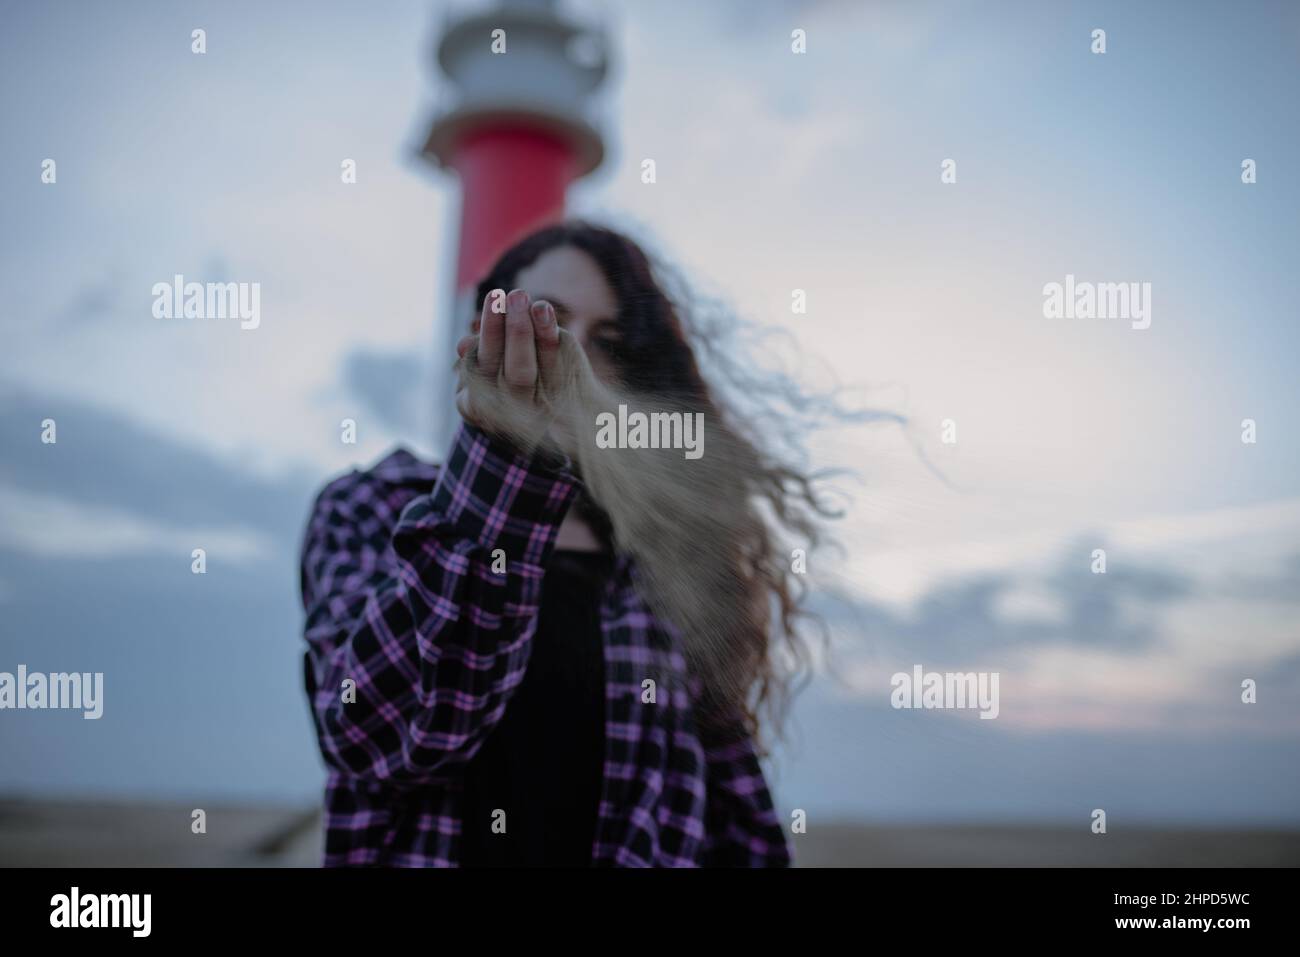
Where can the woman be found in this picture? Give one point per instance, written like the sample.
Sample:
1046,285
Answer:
502,665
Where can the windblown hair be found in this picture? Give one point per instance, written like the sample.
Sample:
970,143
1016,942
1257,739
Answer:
711,538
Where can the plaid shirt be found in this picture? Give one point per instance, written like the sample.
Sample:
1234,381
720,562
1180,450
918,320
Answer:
401,598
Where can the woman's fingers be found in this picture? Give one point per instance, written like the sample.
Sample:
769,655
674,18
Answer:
519,365
492,333
517,339
547,332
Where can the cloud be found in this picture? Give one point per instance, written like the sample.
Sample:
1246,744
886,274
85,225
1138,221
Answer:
393,386
1158,642
203,673
203,688
93,300
41,525
106,461
991,612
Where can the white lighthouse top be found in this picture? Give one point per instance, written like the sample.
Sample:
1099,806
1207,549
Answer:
524,60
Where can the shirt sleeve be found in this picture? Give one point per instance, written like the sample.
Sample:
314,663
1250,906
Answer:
415,649
741,825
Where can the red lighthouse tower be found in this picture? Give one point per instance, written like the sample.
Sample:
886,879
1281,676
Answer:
515,124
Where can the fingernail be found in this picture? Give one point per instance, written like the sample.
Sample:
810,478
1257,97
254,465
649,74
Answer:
543,313
518,298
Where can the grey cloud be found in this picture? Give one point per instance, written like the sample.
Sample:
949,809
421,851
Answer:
957,622
93,300
392,386
105,459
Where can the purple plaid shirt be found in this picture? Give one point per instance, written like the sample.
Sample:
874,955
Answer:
400,596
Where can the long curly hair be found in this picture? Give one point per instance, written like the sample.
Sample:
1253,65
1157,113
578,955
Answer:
663,327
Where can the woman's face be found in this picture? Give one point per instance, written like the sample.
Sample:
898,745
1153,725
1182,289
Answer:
585,305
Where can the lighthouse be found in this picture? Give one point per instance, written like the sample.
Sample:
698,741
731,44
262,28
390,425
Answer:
515,123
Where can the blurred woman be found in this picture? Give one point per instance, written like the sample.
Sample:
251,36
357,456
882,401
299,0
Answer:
511,664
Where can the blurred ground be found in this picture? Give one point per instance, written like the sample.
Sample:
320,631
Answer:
912,845
101,834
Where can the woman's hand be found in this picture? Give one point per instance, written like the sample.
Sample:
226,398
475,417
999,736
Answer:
506,365
515,349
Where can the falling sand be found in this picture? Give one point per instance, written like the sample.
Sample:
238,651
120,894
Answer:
689,524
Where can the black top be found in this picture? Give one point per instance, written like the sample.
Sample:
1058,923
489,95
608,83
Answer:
543,764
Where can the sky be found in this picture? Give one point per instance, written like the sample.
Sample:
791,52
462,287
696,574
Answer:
775,171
